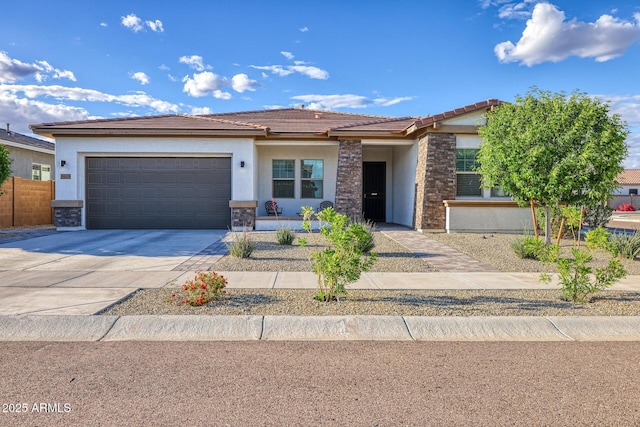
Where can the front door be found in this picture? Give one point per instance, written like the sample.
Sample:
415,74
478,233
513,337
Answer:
374,180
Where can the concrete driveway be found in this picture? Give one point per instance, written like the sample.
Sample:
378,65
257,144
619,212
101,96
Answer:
83,271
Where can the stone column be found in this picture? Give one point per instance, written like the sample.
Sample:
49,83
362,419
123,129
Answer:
243,214
349,181
435,179
67,213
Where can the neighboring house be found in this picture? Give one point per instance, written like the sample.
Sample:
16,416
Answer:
218,170
629,181
33,158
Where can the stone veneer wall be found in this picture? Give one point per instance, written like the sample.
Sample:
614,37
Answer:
67,217
435,179
243,217
349,180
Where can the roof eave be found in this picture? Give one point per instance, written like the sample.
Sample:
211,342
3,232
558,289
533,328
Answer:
65,132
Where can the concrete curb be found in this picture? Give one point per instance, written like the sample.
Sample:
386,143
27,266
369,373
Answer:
186,328
54,327
318,328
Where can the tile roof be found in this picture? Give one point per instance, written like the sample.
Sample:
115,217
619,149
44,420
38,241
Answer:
279,123
426,121
629,177
28,141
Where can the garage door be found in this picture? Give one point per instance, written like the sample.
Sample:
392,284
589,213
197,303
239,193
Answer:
156,193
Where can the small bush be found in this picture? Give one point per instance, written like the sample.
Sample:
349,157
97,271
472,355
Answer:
528,247
576,276
626,207
364,229
242,246
597,238
597,216
205,287
625,245
285,235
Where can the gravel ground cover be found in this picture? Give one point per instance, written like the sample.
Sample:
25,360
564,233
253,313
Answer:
492,249
380,302
270,256
495,250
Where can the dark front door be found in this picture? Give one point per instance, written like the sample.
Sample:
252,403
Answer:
374,180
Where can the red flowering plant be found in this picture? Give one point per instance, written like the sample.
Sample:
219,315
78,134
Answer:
626,207
206,286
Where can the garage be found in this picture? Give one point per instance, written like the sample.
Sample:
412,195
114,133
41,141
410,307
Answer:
158,192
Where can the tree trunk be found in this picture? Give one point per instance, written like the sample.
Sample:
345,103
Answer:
547,225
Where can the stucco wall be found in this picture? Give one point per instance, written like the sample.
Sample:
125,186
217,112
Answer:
405,159
297,152
23,161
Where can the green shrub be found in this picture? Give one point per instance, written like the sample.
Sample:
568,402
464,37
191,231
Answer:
597,216
340,261
241,246
528,247
576,276
285,235
597,238
364,231
625,245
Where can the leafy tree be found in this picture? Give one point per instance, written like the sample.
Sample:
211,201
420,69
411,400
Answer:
5,165
553,149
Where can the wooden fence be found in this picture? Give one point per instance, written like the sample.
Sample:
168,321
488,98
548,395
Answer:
25,202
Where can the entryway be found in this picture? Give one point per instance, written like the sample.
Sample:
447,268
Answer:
374,180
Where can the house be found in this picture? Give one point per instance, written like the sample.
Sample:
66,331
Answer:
629,180
32,158
218,170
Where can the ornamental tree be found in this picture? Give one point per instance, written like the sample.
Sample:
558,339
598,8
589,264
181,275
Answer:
553,149
5,165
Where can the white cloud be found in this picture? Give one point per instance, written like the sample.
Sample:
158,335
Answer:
104,25
195,62
330,102
12,70
201,110
304,29
218,94
205,83
156,26
275,69
548,37
143,78
310,71
516,10
132,22
242,82
287,55
137,99
282,71
163,67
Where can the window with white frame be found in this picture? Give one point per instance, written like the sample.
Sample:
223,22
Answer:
40,172
468,182
312,179
283,176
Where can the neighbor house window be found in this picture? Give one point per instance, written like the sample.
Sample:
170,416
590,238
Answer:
312,179
40,172
467,179
498,192
284,176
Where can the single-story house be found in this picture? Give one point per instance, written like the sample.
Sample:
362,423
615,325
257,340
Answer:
32,158
219,170
629,180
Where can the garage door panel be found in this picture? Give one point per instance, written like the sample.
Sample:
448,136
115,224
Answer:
158,192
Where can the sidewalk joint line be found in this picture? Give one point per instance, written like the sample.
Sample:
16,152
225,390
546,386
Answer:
464,279
558,329
366,273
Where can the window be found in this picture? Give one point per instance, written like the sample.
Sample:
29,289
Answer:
498,192
40,172
312,179
467,180
283,172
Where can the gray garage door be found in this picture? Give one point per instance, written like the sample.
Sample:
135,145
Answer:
143,192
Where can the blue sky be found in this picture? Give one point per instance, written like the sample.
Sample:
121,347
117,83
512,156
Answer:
74,60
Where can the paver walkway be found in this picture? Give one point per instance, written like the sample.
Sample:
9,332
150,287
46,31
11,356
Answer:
442,257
